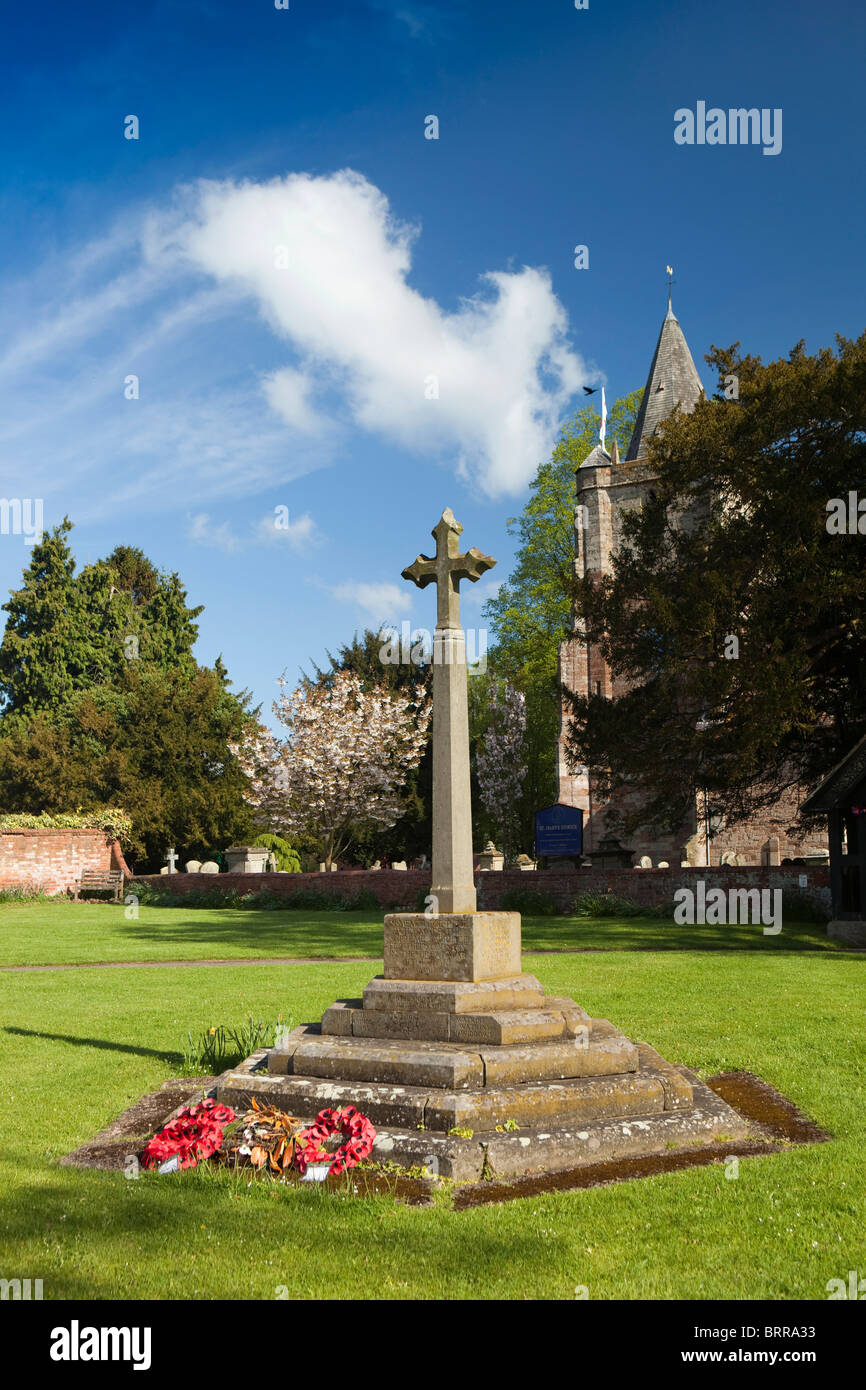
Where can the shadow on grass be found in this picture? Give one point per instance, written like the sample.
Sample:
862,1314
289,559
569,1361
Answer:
174,1059
660,934
331,935
126,1236
261,931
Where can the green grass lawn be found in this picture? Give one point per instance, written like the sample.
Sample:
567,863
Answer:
62,932
80,1046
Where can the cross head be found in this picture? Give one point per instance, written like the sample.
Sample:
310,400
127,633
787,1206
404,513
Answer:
446,568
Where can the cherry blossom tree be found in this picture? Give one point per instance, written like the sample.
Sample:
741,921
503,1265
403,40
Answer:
343,764
500,762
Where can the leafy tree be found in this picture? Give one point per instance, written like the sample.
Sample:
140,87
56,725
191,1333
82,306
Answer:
531,613
343,765
734,611
105,704
288,860
67,633
412,834
159,747
499,763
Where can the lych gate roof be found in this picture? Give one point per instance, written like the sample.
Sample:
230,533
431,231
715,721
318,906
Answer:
841,781
673,381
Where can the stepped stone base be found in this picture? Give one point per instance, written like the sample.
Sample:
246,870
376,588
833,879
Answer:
529,1081
400,1114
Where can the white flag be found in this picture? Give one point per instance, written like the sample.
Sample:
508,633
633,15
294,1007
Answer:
603,426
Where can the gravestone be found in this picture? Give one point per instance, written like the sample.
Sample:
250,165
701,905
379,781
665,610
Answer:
193,866
246,859
209,867
611,854
454,1036
490,858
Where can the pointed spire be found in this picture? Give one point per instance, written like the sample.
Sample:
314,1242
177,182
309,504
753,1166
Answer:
614,453
673,381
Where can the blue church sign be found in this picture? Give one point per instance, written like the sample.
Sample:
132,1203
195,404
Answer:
559,830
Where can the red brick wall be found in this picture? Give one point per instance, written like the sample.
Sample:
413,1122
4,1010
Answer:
53,859
650,887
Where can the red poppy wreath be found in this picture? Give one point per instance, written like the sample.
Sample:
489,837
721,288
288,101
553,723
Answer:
196,1133
358,1137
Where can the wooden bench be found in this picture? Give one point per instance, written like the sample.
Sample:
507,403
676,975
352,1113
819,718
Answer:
99,881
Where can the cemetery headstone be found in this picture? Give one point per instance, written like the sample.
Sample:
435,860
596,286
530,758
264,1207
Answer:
246,859
490,858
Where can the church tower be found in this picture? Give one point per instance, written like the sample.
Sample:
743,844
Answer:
607,488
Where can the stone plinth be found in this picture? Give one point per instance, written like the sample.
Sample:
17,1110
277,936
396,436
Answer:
246,859
471,946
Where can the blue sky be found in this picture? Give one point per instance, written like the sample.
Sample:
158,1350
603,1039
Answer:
297,137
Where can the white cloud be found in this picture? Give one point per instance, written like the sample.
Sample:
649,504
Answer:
288,393
204,531
328,267
297,533
476,595
252,376
293,531
380,602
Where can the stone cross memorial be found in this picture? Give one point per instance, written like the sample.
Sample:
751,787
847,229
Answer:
460,1060
453,887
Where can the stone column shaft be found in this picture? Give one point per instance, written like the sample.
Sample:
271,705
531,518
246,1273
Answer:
453,883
